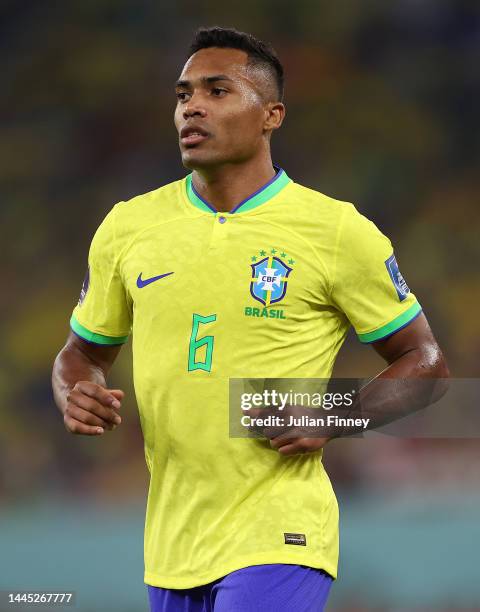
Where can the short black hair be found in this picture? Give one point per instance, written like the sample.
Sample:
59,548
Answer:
259,53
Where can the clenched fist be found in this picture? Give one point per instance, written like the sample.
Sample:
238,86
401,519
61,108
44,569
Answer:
91,409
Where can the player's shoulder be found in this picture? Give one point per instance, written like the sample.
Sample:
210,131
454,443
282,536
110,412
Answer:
130,217
161,200
316,202
318,205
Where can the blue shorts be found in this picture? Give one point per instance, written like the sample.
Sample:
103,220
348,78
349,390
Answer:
259,588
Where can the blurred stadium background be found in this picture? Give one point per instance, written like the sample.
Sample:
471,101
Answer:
382,100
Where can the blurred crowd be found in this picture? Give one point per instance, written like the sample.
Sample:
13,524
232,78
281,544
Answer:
382,109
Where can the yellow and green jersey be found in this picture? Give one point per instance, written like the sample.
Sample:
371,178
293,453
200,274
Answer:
266,291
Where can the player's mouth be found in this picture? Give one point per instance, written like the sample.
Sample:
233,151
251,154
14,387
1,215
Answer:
192,135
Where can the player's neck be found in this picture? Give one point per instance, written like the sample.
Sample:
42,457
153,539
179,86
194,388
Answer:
227,186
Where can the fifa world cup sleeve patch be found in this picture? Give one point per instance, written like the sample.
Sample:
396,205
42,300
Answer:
397,278
85,286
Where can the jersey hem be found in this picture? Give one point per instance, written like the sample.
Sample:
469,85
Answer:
175,582
393,326
93,337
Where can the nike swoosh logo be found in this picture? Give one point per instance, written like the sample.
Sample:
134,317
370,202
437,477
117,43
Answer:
144,282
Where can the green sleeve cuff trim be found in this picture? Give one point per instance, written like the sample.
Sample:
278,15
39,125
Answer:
89,336
390,328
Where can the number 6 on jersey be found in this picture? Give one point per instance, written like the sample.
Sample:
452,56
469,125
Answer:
198,343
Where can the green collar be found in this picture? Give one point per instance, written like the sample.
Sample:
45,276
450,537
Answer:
262,195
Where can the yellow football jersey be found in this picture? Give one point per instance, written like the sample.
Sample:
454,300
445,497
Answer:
266,291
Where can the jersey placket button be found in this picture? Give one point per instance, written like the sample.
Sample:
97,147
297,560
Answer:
220,231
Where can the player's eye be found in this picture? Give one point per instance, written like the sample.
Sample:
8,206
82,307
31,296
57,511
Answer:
218,91
182,96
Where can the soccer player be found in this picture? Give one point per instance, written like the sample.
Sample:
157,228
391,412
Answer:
235,271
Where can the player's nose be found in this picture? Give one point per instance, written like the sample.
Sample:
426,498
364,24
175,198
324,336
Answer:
192,108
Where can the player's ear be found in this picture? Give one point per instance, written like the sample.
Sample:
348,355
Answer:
274,115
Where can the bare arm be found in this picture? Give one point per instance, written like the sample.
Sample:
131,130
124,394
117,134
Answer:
412,354
80,389
420,371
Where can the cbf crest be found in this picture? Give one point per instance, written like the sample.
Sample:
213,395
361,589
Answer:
270,277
